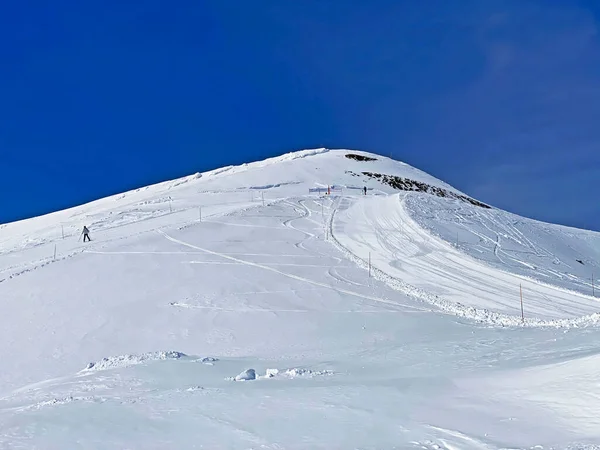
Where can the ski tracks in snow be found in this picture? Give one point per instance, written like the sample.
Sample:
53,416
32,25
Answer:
293,276
464,267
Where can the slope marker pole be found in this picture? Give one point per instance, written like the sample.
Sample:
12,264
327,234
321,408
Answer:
62,228
263,198
521,291
369,264
54,252
200,213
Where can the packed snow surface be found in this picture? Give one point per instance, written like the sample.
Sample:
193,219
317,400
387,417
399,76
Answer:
386,320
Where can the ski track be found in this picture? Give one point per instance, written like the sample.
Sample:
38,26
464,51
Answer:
266,264
426,234
333,273
40,263
275,310
480,315
289,275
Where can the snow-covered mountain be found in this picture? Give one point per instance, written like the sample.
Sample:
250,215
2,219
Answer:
276,305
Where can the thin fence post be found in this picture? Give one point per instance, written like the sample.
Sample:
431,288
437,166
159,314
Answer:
200,213
54,257
263,198
170,206
522,314
62,229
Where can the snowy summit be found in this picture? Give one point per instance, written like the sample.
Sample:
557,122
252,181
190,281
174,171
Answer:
323,299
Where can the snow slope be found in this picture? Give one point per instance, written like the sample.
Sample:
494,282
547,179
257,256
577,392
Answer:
235,309
482,273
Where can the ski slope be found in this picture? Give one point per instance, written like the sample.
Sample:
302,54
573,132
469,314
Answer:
479,271
235,309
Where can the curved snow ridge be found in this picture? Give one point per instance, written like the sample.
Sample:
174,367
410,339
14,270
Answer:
212,173
186,179
480,315
291,156
115,362
272,186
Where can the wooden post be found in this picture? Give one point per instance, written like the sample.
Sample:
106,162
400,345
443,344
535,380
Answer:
522,314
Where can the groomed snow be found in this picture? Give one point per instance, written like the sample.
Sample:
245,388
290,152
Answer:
135,340
475,271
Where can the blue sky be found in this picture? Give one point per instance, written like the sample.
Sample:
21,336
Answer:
499,98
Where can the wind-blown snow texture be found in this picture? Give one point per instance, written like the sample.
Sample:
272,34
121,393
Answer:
252,273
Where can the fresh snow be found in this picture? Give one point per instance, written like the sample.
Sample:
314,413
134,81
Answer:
391,320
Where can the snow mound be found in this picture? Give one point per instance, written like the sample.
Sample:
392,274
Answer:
246,375
209,360
296,372
194,389
114,362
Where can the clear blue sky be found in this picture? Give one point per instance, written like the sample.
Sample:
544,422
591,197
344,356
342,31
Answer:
499,98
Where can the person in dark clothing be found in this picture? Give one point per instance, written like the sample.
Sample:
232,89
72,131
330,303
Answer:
86,233
365,190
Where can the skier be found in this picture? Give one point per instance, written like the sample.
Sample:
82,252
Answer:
365,190
86,233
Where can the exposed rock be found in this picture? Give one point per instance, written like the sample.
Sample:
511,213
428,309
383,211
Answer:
406,184
359,157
